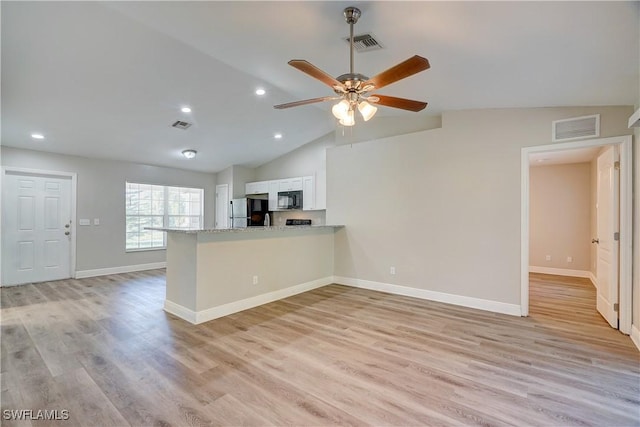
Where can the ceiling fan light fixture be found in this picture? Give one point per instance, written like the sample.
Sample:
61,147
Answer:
349,119
367,110
341,109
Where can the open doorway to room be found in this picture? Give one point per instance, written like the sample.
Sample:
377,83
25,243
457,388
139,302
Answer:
559,220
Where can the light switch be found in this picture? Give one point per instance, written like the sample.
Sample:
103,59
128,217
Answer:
96,221
84,222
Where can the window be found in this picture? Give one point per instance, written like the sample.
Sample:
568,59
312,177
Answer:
159,206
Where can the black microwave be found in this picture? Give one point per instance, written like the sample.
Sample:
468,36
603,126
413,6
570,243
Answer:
290,200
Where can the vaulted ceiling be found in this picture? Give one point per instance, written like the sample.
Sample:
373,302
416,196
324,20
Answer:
107,79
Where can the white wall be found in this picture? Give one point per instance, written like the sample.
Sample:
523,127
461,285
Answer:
560,216
101,187
443,206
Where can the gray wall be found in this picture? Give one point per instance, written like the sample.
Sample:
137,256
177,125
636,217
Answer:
443,206
101,186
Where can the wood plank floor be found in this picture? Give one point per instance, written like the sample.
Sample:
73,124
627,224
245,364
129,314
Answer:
103,349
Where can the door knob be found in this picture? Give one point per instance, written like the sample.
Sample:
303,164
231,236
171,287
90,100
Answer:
66,233
595,240
67,225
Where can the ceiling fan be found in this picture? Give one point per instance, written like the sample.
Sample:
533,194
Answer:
353,89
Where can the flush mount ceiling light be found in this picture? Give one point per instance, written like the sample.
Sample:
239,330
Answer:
353,88
186,109
189,154
260,91
277,136
37,136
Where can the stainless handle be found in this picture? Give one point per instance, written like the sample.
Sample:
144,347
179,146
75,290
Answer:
595,240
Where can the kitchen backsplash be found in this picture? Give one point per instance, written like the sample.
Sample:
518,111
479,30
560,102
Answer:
316,217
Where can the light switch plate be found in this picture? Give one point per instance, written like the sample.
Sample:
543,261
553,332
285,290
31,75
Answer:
84,222
96,221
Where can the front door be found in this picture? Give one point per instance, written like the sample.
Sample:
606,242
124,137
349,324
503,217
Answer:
607,208
36,228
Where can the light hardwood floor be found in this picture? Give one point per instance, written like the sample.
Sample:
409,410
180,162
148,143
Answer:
103,349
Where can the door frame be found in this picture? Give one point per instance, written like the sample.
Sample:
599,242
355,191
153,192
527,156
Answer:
626,216
43,173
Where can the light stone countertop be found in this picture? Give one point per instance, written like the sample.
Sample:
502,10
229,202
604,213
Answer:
276,228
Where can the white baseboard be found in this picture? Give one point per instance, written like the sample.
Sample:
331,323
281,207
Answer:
635,335
560,271
117,270
180,311
202,316
482,304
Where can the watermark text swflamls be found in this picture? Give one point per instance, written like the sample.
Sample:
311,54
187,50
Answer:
35,415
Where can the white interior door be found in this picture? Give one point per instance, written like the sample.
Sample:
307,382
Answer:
222,206
36,228
608,245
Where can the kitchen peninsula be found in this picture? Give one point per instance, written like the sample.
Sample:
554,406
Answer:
216,272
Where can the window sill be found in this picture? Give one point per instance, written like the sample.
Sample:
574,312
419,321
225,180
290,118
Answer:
146,249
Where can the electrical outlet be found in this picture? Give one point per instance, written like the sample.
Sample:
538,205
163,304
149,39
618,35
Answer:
392,271
255,280
548,258
569,259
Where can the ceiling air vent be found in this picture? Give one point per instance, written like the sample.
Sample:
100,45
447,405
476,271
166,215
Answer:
364,43
181,125
576,128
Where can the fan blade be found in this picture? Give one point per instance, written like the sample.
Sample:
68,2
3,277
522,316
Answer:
315,72
404,69
305,102
402,103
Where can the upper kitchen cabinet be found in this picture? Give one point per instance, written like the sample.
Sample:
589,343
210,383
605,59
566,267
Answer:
321,190
314,192
274,187
261,187
291,184
308,193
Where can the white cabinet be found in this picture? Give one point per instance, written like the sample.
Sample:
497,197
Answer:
308,193
260,187
274,187
321,190
291,184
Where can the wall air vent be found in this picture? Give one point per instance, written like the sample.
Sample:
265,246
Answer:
181,125
364,43
576,128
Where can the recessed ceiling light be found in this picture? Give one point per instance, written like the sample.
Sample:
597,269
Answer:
277,136
185,109
260,91
37,136
189,154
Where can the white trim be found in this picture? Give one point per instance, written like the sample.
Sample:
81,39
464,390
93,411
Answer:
481,304
594,281
202,316
180,311
74,192
560,271
117,270
626,226
635,335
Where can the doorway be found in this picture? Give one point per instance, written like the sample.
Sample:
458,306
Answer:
624,145
38,226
